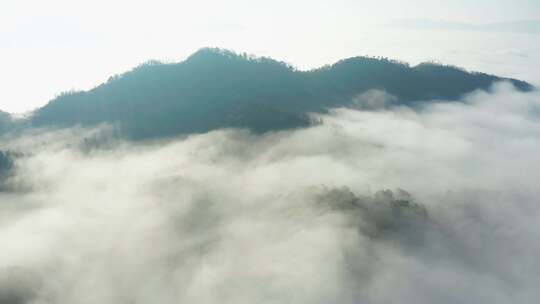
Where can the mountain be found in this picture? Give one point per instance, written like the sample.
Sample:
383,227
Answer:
6,122
216,88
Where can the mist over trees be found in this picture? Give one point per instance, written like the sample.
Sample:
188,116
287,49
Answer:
6,167
216,88
299,216
438,205
6,123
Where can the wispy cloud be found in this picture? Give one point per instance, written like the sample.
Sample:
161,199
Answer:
524,26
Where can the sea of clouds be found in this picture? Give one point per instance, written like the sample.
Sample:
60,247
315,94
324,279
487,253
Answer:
388,205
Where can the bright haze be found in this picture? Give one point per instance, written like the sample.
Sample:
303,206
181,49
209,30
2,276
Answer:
48,47
280,152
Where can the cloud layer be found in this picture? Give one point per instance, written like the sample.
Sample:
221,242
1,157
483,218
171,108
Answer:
299,216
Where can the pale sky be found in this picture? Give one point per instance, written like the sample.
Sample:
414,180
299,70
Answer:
47,47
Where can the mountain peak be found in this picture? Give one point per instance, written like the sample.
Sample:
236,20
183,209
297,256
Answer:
210,52
210,56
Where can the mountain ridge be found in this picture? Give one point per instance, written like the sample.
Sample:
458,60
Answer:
215,88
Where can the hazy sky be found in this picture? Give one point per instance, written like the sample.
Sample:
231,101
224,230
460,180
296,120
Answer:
47,47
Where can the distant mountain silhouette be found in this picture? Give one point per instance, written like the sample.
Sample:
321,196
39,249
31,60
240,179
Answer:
217,88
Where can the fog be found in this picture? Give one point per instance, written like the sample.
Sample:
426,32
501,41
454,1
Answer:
431,205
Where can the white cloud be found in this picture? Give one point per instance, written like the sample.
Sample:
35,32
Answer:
294,216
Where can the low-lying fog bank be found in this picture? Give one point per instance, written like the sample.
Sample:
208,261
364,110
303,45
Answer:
432,206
